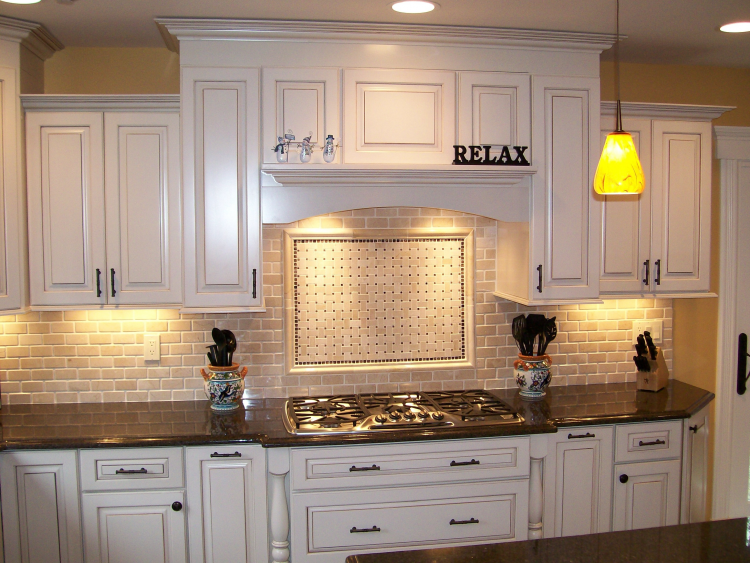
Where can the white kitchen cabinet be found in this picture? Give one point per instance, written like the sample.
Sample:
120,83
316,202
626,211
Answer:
695,468
226,507
646,495
145,526
221,197
578,481
40,507
82,252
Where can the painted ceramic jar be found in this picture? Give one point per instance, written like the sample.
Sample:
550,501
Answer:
532,375
224,386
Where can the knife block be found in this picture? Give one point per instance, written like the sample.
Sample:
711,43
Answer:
657,378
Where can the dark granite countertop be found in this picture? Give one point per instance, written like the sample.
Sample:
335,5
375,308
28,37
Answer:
721,541
181,423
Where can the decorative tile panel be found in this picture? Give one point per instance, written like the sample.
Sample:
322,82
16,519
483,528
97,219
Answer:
359,300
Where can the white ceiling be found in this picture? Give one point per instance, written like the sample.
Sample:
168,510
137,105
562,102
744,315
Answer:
659,31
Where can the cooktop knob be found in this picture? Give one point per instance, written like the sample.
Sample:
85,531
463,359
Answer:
408,415
423,414
438,416
394,416
380,418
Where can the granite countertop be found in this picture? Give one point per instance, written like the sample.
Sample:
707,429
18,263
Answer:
182,423
721,541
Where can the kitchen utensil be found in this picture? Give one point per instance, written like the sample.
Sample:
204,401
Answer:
221,343
641,347
231,345
212,354
650,344
549,333
519,333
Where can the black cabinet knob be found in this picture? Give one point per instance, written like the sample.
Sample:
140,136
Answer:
623,478
177,506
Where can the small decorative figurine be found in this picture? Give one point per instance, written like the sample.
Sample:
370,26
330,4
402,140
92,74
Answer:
329,149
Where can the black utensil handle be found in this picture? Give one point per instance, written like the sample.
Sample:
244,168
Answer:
356,530
373,467
112,274
654,443
98,282
579,436
255,275
235,454
657,277
539,269
459,463
176,506
646,280
742,374
141,471
623,478
459,522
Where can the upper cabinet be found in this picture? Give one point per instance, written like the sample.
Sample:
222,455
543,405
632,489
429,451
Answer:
221,194
658,243
83,252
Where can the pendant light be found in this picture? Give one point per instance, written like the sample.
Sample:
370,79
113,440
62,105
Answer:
619,170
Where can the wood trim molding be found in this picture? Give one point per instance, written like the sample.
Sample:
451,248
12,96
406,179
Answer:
34,36
677,111
732,143
109,102
174,30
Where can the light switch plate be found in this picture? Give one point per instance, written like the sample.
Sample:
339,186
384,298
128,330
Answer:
151,347
654,326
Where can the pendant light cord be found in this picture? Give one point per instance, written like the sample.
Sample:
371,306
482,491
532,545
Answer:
618,127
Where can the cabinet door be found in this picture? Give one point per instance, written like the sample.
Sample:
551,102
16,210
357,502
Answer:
626,223
647,495
566,220
142,186
681,179
66,208
227,504
41,518
695,468
134,526
578,478
222,230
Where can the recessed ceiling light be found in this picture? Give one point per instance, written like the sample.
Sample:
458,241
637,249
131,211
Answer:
736,27
21,1
414,6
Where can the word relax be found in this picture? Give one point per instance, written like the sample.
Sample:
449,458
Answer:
475,156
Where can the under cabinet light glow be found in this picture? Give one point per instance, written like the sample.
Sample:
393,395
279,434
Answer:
736,27
21,1
414,6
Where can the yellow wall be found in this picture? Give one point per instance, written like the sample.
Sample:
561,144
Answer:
95,70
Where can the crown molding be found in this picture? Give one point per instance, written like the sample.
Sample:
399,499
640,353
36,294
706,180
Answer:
732,143
682,111
174,30
116,102
34,36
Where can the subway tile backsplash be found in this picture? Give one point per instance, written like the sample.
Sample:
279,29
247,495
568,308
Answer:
97,356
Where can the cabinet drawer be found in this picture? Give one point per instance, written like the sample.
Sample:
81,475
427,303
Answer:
648,440
402,464
127,469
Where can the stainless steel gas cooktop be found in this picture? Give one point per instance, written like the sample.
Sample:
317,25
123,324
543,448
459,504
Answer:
376,412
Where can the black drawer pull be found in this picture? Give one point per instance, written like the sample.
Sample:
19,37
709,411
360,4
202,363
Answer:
235,454
623,478
654,443
355,530
459,522
694,429
141,471
577,436
373,467
112,273
98,282
176,506
458,463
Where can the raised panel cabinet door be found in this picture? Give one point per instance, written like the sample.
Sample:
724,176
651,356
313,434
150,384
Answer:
142,187
221,197
494,108
305,100
566,219
227,504
681,179
134,526
67,253
399,116
41,517
578,481
646,495
626,265
695,468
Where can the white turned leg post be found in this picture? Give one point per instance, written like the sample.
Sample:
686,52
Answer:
536,504
279,519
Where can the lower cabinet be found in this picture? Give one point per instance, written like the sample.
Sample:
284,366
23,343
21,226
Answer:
143,526
646,495
227,504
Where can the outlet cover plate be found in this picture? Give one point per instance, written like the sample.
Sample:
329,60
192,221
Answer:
654,326
151,347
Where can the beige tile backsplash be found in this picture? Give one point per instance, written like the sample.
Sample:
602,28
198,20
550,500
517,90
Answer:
95,356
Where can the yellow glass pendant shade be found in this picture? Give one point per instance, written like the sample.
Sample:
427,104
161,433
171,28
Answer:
619,170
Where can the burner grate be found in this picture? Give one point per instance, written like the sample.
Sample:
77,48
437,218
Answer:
472,405
328,412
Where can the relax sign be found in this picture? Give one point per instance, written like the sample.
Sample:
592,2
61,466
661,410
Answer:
481,155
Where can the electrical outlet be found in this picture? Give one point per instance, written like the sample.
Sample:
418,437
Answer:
151,347
654,326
